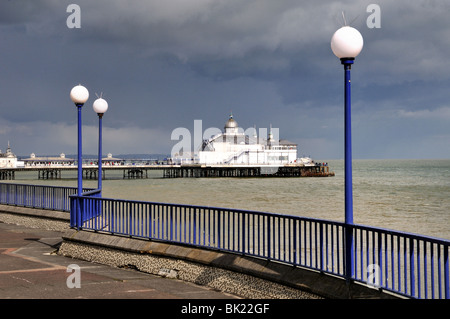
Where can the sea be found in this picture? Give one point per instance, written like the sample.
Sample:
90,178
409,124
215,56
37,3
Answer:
406,195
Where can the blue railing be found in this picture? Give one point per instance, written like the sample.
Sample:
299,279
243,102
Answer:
81,211
37,196
407,264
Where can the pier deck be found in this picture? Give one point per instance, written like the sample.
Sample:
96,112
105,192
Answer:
175,171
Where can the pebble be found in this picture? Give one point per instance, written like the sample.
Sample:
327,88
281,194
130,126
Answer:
216,278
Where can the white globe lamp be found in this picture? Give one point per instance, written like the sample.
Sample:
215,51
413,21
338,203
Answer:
100,106
347,42
79,94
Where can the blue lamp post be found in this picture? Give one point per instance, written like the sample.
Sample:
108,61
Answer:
79,95
346,44
100,106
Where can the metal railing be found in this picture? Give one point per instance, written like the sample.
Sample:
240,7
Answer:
407,264
37,196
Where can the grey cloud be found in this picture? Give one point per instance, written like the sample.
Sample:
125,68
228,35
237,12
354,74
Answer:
162,64
27,11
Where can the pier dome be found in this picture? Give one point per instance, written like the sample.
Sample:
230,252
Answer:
231,126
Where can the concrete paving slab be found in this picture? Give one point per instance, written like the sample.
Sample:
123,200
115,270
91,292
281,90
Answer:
30,269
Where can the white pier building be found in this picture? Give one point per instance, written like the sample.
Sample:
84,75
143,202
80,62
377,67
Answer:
234,147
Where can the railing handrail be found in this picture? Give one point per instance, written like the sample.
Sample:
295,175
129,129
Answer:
89,192
302,218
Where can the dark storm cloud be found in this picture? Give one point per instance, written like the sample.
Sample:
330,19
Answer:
163,64
26,11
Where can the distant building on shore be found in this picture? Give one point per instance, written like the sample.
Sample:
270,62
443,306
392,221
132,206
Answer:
110,160
34,160
8,159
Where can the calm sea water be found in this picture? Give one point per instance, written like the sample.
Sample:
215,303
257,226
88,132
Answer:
405,195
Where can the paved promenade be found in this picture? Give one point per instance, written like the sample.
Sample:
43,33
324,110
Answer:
30,269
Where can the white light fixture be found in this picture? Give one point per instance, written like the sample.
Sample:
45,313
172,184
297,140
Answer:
79,94
100,106
347,42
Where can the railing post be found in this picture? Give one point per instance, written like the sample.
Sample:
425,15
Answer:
412,268
243,233
446,273
72,212
171,222
53,198
294,231
195,226
268,237
79,212
348,252
34,196
321,246
219,230
75,212
43,197
15,195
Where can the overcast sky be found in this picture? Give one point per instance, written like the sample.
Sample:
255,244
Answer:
161,64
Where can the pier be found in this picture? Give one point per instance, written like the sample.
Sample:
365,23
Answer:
173,171
89,171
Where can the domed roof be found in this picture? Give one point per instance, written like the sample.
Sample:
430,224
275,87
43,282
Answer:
231,123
